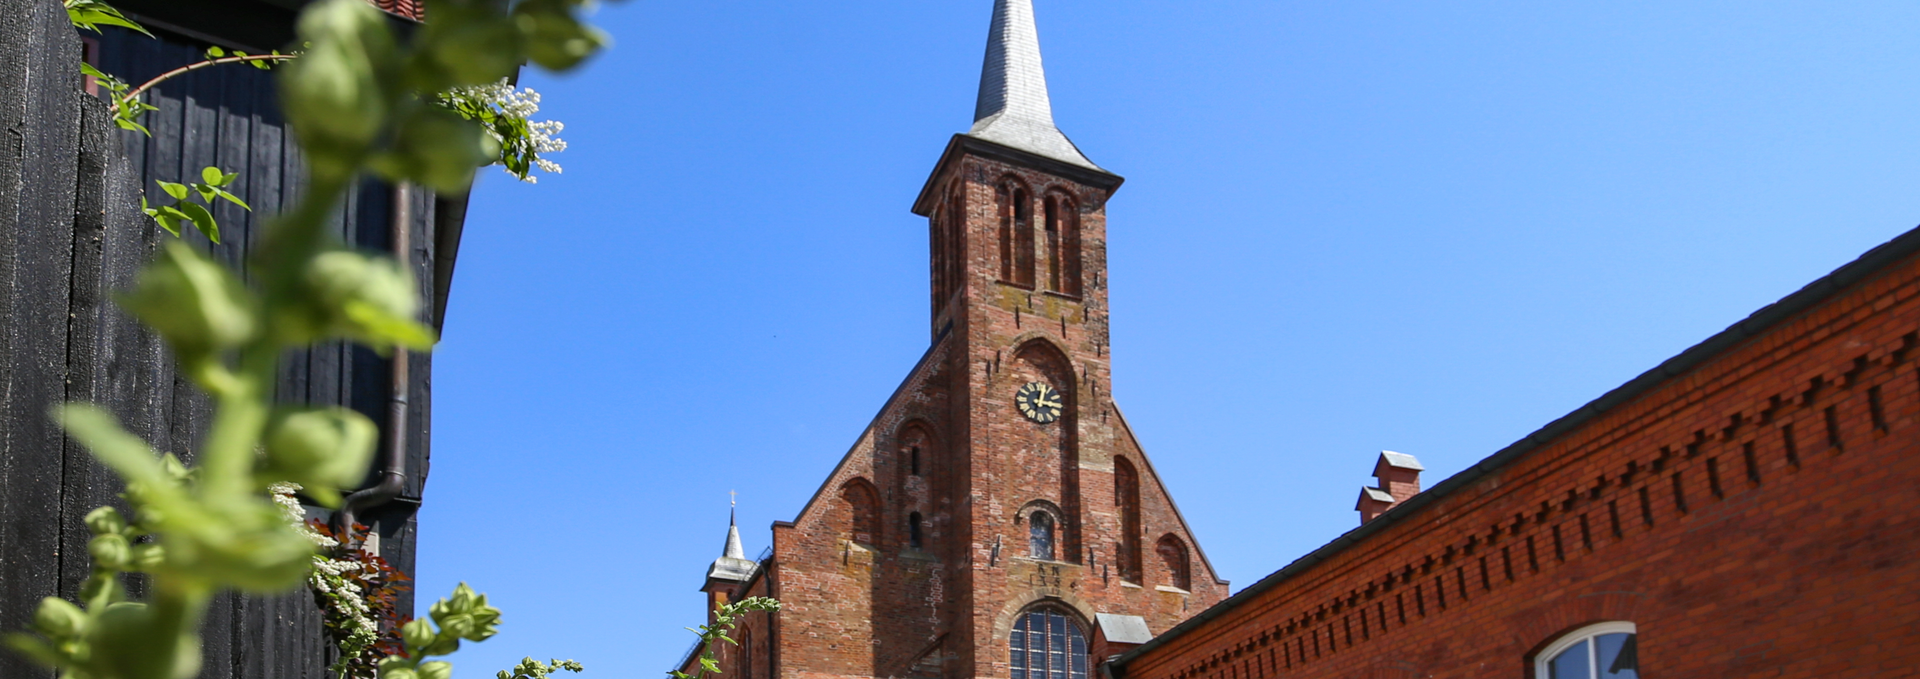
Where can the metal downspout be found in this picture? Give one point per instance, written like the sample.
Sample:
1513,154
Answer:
393,467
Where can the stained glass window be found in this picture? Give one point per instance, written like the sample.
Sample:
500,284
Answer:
1047,644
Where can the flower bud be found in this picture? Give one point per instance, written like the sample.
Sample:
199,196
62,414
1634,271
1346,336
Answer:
437,148
417,634
333,93
105,520
147,557
59,619
110,551
142,647
394,662
365,298
438,669
193,302
322,449
457,625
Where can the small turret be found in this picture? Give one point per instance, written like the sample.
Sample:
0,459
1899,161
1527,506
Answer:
733,567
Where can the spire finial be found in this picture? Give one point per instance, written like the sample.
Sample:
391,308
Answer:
1014,108
733,498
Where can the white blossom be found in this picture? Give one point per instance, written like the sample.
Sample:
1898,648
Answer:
521,104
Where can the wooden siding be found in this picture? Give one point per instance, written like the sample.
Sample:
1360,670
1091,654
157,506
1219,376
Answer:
71,234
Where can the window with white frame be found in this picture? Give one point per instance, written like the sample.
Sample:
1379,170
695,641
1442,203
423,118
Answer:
1604,651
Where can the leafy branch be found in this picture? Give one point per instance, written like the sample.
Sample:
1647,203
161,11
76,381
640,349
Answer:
358,100
171,217
532,669
725,617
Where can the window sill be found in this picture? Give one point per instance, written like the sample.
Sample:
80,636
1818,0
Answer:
1049,562
1169,588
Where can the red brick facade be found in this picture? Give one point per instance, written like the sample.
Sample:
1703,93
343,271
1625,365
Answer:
951,463
1750,506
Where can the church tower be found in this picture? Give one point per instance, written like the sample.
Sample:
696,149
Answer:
998,518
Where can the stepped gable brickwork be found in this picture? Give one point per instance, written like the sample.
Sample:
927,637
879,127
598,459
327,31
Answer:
1749,506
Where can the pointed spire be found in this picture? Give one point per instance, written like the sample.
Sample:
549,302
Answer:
1014,108
733,564
733,550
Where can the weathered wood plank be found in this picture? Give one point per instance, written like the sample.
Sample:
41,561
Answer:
39,107
233,153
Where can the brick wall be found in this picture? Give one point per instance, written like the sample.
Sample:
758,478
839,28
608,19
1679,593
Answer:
869,603
1750,506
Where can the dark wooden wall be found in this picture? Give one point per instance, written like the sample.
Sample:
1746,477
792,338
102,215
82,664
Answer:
71,233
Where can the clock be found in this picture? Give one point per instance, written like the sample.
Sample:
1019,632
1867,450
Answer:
1038,402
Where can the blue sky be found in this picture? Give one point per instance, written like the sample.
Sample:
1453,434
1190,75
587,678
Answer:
1347,227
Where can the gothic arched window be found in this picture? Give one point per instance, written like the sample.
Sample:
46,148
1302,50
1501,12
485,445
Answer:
1126,494
1173,553
1608,650
746,654
1040,528
1047,644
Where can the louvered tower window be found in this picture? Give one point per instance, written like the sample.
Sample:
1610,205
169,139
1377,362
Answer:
1047,644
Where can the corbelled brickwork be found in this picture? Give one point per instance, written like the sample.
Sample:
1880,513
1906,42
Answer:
1751,506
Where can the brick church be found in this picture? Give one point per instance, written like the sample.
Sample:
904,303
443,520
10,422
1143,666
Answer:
997,518
1745,509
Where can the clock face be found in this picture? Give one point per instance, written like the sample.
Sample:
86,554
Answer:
1039,402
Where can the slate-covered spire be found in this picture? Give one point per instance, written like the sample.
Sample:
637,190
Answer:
1014,109
733,564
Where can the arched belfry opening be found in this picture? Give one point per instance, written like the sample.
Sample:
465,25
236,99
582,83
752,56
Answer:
1016,231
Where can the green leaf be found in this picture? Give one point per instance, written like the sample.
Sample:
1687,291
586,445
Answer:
88,69
167,222
211,175
91,14
232,199
131,126
196,304
125,453
178,191
214,52
227,179
206,193
322,449
203,220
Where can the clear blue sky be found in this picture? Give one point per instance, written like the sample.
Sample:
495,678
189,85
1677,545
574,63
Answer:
1347,227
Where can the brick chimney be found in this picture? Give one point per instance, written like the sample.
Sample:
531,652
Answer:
1398,479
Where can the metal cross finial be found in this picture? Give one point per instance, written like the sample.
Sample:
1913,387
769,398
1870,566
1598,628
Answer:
733,498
